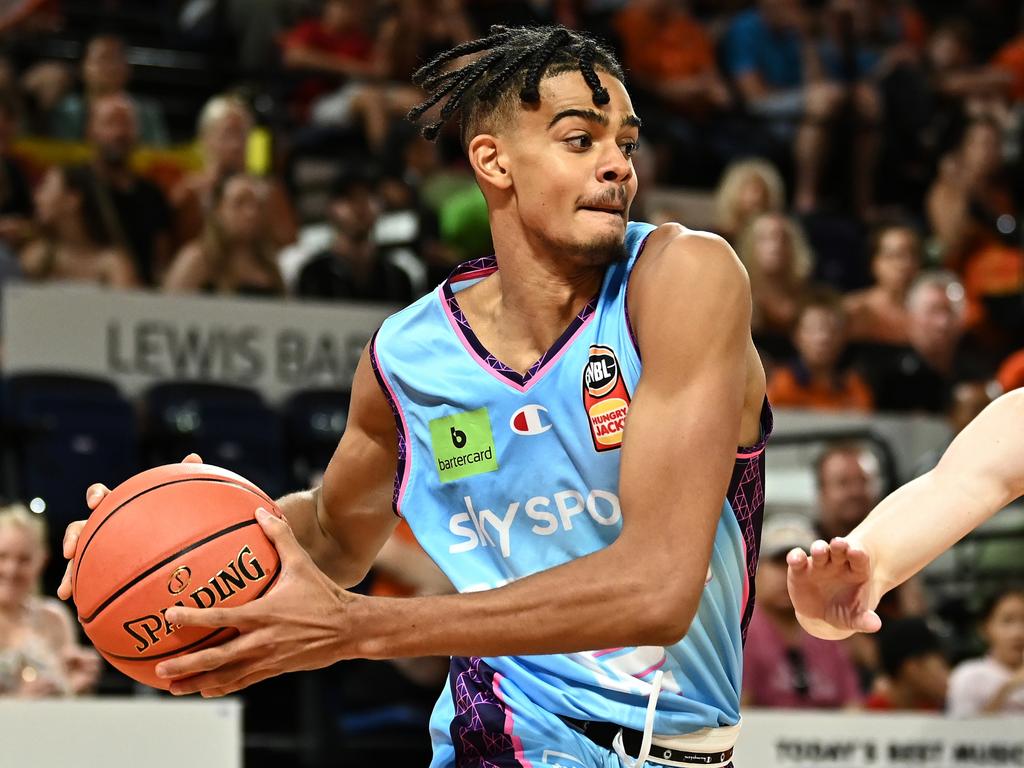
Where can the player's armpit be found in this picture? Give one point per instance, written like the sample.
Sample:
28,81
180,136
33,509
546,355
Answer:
690,307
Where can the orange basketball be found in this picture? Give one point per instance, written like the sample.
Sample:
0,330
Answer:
182,534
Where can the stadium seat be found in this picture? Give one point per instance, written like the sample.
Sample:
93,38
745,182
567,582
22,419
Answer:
314,422
229,426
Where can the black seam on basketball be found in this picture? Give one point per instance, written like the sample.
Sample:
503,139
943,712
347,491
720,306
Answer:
166,561
201,640
123,504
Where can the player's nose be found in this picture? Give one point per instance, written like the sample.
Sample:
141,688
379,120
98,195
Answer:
613,165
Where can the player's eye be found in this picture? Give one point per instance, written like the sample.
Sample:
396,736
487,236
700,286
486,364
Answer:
583,141
629,148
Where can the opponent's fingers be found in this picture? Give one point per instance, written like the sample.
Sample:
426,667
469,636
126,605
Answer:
867,621
859,560
94,494
232,652
240,617
797,559
192,458
66,584
820,554
838,549
71,535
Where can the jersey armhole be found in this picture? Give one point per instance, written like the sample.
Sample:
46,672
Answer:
625,296
401,428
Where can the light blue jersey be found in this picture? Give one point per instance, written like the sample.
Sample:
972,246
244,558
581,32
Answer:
502,475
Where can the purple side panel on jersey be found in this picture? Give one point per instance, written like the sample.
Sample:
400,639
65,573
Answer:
478,729
401,470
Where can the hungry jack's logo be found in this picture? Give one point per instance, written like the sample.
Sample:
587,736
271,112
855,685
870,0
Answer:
605,397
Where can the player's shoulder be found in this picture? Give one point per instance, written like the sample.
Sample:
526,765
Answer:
676,253
416,314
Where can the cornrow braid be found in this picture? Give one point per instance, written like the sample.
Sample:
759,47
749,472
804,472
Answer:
509,65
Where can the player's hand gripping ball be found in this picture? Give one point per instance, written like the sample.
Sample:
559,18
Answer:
181,534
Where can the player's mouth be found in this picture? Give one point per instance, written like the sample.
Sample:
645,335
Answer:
612,211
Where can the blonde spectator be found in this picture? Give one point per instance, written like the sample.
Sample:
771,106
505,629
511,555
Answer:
779,261
748,188
233,254
38,652
224,127
72,243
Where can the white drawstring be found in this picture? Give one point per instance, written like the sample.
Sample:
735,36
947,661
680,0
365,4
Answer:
645,744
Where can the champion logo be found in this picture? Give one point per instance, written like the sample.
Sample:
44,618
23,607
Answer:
527,420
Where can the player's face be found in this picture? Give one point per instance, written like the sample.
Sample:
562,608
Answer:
571,167
1004,630
20,564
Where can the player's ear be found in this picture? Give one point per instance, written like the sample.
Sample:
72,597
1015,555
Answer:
489,162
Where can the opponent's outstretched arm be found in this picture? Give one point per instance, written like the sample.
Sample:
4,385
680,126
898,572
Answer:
837,588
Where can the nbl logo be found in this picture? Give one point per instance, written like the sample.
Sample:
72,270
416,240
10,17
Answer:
602,371
605,398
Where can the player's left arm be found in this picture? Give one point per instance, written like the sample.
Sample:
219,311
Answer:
690,306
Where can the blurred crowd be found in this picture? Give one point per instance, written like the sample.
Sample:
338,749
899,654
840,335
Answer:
862,156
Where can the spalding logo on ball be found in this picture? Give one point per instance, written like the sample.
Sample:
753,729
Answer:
182,534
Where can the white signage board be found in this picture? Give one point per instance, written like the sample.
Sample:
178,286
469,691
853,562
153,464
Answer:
120,733
138,338
798,739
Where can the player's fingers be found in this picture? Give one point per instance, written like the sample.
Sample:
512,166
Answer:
233,652
94,494
71,534
245,682
64,590
192,458
280,533
220,678
239,617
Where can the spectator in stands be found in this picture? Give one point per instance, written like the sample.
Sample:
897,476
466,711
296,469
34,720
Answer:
779,262
848,482
223,133
73,244
675,83
747,189
106,72
919,377
783,665
132,209
342,45
353,267
816,378
772,55
1011,372
916,669
878,315
233,255
993,684
967,400
421,30
972,210
15,196
39,655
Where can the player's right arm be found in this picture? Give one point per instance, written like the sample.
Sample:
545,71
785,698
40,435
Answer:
837,588
344,522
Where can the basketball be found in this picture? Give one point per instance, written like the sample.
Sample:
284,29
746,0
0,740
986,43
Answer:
180,534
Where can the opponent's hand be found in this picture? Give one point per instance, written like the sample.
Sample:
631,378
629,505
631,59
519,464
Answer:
300,624
832,590
93,496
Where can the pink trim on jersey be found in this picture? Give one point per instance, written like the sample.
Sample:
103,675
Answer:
746,577
606,652
652,668
405,430
517,743
496,374
473,275
750,455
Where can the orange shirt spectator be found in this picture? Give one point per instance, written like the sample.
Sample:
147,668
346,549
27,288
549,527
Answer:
1010,59
791,387
1011,372
663,45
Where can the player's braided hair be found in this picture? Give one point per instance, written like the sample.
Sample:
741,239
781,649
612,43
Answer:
509,69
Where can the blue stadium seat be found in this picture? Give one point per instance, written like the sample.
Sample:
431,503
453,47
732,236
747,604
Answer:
229,426
314,421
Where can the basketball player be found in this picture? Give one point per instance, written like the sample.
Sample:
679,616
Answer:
606,572
835,591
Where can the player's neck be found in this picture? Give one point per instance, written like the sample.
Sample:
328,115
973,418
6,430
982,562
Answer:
520,311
